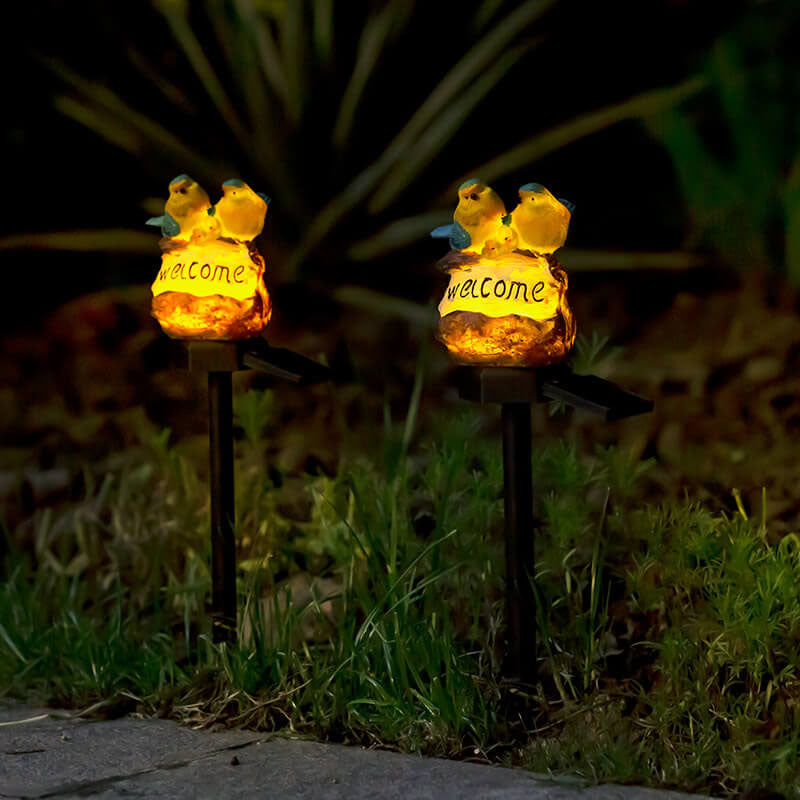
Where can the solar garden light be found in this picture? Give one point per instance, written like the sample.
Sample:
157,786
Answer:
210,294
505,316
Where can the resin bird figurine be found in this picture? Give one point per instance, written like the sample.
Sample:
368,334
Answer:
541,219
502,241
240,211
458,238
186,209
478,213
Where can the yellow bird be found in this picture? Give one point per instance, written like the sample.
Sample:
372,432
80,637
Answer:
540,220
185,211
240,211
503,240
479,211
188,205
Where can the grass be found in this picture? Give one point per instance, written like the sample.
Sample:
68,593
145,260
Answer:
668,636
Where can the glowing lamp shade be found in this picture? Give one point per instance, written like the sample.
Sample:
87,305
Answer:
210,285
506,301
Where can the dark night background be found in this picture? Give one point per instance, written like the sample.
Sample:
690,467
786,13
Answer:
633,195
589,55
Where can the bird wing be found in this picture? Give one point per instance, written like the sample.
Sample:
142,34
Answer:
459,238
566,203
455,232
169,225
443,231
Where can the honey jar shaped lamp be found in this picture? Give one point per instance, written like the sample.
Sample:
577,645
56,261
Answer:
210,286
506,302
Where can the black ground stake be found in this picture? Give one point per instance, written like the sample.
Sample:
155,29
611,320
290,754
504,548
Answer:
220,360
516,389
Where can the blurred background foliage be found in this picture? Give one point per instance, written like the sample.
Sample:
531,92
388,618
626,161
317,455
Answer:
736,148
359,119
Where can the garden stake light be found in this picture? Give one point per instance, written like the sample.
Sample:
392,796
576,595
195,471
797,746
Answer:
210,293
505,313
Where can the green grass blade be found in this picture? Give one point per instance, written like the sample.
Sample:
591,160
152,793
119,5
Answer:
378,608
399,233
105,125
251,66
323,30
486,11
293,48
599,260
107,115
373,38
269,56
416,395
224,29
375,302
641,105
709,190
11,645
113,240
466,70
471,65
757,162
187,40
442,130
172,93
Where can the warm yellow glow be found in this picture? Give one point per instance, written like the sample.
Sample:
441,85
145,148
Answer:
210,285
213,291
218,268
510,311
511,284
506,302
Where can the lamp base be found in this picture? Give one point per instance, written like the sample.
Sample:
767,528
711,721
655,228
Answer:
512,341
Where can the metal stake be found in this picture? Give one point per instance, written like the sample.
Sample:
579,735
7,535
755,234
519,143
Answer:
223,545
516,388
219,360
518,501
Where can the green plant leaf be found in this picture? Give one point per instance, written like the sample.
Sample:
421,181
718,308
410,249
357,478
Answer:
269,56
382,303
323,30
641,105
108,116
112,240
293,52
399,233
178,21
374,36
466,70
442,129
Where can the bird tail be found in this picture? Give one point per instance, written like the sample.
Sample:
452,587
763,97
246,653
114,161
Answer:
569,206
157,221
443,231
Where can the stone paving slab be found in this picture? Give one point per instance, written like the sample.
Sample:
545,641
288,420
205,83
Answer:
46,754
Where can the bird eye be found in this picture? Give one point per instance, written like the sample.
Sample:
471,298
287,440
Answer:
473,196
182,191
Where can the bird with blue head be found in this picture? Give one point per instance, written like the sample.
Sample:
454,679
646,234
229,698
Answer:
477,218
240,211
506,301
540,220
185,210
210,285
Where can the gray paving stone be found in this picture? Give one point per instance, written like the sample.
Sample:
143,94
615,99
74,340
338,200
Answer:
131,758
